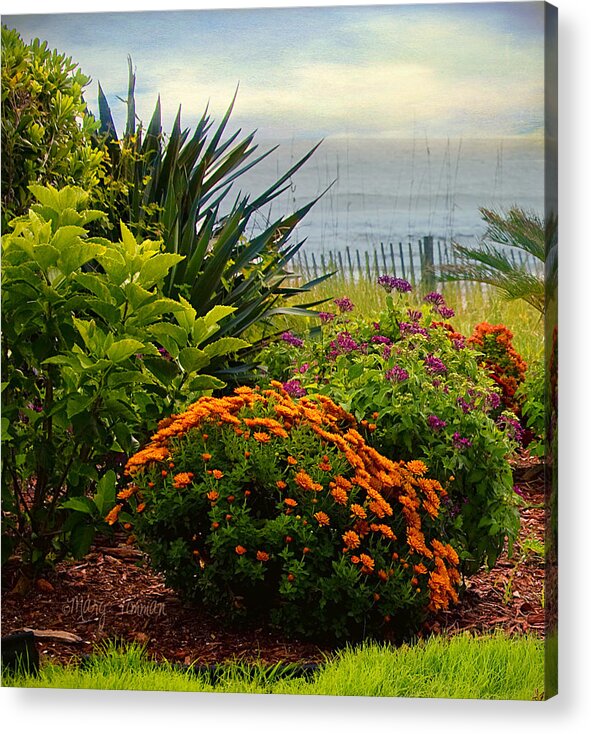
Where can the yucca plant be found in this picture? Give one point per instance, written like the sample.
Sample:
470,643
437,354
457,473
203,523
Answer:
176,187
493,261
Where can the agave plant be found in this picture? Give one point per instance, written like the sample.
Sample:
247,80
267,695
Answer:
493,261
174,187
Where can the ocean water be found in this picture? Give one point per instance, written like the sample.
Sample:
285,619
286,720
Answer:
399,190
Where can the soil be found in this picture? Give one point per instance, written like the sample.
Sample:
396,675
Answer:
112,594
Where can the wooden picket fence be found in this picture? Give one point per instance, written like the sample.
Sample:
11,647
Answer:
415,261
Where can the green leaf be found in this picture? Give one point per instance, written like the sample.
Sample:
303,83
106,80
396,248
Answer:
81,539
79,504
225,345
157,267
105,494
123,349
205,382
170,330
193,359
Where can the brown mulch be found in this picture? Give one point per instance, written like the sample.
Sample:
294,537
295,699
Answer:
112,593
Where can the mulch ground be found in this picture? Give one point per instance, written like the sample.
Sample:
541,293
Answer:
113,594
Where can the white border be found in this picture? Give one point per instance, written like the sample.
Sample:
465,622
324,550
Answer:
91,711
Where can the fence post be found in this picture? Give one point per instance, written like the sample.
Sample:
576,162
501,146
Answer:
402,260
376,266
367,265
393,260
427,264
359,268
314,266
412,264
384,257
351,272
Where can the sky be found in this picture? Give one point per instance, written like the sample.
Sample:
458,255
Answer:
401,71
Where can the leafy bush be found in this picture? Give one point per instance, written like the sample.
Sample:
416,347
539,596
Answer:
89,365
180,187
256,503
505,365
46,127
418,393
531,395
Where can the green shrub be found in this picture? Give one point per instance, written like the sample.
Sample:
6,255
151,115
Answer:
180,187
89,365
46,127
419,393
532,395
261,506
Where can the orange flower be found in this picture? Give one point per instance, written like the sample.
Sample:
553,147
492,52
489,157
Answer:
183,479
290,503
111,518
367,562
140,507
213,495
382,575
290,577
324,466
240,550
358,511
261,437
292,461
126,493
339,495
206,457
218,474
305,550
305,481
262,556
355,559
164,473
351,540
322,518
281,484
247,454
416,467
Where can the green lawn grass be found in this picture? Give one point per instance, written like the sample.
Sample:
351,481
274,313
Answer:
491,667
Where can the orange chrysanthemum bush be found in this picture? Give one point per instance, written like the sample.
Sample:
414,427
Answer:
504,364
264,506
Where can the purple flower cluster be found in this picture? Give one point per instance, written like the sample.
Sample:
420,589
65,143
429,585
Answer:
459,343
436,299
303,368
434,364
436,423
376,326
494,400
294,388
446,312
378,339
438,302
414,315
390,283
513,428
344,304
461,443
407,328
343,344
295,341
465,405
396,374
326,317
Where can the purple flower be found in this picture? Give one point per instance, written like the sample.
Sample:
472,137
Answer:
434,364
390,283
288,337
411,328
326,317
378,339
414,315
459,343
386,351
464,405
461,443
164,353
344,304
294,388
436,423
376,326
304,368
517,489
512,427
396,374
446,312
493,399
435,298
343,344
